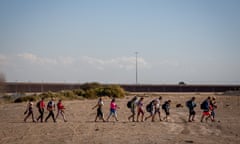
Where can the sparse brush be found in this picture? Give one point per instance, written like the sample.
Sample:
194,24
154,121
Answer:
88,90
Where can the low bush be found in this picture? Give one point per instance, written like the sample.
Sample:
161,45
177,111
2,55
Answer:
88,90
70,95
79,92
47,95
26,98
91,94
111,91
88,86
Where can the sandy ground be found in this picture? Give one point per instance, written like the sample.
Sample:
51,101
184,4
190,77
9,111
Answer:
81,127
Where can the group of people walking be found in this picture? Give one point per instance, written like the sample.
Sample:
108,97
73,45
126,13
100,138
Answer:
154,109
41,108
136,107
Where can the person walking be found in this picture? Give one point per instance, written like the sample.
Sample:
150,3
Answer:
213,106
151,109
51,108
41,106
29,111
157,108
99,106
206,107
140,109
133,109
113,109
61,109
191,105
166,108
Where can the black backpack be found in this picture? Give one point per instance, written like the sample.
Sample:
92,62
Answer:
38,104
189,104
203,105
149,107
164,106
129,104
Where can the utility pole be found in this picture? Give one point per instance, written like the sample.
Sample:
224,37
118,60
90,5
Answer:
136,67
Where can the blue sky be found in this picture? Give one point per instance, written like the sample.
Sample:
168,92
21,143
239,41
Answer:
197,42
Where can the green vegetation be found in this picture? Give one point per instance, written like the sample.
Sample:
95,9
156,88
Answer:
88,90
25,98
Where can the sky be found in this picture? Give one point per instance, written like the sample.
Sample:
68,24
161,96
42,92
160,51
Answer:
78,41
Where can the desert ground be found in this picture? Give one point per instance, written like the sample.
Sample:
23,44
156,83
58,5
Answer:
81,127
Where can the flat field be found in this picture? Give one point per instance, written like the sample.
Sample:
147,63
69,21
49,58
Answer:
81,127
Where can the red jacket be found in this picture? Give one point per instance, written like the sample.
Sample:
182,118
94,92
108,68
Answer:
42,104
60,106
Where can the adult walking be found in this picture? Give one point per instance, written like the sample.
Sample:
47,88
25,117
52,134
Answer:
51,108
132,107
41,106
206,107
113,110
29,111
99,106
191,105
140,109
61,109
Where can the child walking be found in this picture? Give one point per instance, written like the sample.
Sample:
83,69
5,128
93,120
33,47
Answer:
113,110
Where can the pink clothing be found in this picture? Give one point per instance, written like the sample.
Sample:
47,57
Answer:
113,106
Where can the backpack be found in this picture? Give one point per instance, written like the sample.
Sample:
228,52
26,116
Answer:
38,104
189,104
149,107
50,104
164,106
129,104
203,105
